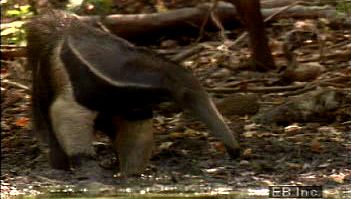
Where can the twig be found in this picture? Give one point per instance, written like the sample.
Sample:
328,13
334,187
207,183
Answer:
103,27
300,91
16,84
337,82
234,84
338,45
187,53
194,50
218,23
281,10
257,89
204,22
338,79
332,84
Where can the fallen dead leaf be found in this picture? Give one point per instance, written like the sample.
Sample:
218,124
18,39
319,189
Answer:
324,165
293,129
247,152
218,146
249,134
176,135
165,145
22,122
244,163
294,165
339,178
316,146
215,170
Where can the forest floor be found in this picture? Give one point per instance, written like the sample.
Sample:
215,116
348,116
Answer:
285,150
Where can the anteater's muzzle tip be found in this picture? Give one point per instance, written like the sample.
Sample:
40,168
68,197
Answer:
234,153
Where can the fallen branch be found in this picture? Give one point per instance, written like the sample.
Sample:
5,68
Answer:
138,27
11,52
256,89
293,90
276,3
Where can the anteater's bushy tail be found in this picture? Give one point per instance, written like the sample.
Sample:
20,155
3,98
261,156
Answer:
43,32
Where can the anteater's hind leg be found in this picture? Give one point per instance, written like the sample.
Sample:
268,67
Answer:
133,143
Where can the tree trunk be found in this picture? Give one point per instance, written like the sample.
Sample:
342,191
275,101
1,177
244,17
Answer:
250,14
